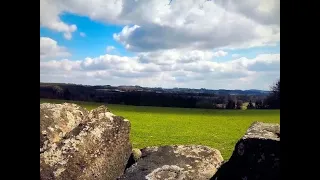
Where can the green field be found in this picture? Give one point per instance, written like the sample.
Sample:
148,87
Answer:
153,126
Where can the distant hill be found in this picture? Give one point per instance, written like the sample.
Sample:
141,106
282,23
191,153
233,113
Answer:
173,90
146,96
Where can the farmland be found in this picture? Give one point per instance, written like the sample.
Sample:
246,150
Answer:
153,126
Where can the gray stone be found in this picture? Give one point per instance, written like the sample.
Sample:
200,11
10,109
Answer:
256,155
175,162
98,148
263,131
56,120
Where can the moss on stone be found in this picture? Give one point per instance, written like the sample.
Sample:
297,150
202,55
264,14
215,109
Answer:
136,154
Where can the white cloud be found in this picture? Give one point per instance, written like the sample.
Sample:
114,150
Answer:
262,11
82,34
198,25
187,69
49,48
49,17
67,35
110,49
190,24
220,53
172,56
262,62
174,45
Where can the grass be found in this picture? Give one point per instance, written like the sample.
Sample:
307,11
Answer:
153,126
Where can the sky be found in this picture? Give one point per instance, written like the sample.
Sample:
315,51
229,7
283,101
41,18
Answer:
213,44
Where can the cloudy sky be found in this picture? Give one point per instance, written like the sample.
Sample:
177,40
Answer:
231,44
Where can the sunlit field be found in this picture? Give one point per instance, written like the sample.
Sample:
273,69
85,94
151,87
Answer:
153,126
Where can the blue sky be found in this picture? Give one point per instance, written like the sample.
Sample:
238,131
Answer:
153,44
97,37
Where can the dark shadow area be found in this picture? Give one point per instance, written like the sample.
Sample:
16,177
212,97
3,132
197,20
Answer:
130,162
252,159
143,96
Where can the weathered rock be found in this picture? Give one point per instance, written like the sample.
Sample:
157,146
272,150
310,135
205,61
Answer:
136,153
56,120
175,162
256,155
134,157
98,148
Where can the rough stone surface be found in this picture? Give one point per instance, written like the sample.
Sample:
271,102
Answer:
136,153
175,162
56,120
97,148
256,155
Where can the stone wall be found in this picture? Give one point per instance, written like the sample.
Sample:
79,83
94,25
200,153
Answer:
256,155
80,144
77,144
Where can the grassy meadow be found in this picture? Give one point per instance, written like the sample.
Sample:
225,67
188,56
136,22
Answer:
153,126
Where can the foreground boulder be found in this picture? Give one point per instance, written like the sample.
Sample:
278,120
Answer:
256,155
56,120
94,147
175,162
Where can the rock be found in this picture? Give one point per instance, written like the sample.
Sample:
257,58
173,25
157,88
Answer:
97,148
175,162
136,153
134,157
56,120
256,155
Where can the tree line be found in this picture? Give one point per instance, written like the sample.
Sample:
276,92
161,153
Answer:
163,99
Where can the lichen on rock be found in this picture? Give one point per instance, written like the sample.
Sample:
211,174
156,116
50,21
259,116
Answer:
136,154
84,145
259,130
97,148
169,172
256,155
175,162
56,120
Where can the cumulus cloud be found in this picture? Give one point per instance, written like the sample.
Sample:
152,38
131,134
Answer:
49,48
226,30
200,25
262,11
220,53
110,49
174,44
262,62
172,56
50,12
193,69
155,24
82,34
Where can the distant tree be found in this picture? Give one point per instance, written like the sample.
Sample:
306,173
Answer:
205,104
239,104
134,95
221,100
273,100
259,104
250,105
231,104
58,91
219,106
67,94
